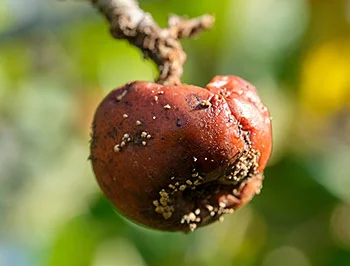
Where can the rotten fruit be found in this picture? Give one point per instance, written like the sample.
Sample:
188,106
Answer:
180,157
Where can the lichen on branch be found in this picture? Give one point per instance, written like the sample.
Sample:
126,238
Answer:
128,21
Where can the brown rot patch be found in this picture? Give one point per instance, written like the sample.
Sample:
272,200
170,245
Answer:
243,167
193,100
177,158
196,205
198,201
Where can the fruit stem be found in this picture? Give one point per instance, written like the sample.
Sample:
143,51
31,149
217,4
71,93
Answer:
128,21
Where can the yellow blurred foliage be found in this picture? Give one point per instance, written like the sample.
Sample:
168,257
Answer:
325,78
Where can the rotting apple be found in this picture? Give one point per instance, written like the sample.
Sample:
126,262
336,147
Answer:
179,157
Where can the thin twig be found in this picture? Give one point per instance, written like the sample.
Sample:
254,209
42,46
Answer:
128,21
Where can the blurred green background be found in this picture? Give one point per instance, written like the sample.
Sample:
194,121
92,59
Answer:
57,61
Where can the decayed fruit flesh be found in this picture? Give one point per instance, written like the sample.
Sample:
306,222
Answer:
177,158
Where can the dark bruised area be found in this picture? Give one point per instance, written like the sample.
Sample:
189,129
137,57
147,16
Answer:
178,123
177,158
193,100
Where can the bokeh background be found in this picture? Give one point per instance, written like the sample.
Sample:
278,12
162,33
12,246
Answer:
57,61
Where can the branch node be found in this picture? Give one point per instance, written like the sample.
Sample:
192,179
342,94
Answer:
128,21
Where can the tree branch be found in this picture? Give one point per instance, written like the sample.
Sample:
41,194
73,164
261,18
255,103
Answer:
128,21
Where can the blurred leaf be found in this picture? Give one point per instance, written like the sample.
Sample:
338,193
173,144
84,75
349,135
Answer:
290,190
102,59
76,243
5,17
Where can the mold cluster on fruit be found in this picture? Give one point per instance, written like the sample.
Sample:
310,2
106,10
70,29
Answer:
180,157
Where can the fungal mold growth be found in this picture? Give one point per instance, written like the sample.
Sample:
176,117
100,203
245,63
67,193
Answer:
180,157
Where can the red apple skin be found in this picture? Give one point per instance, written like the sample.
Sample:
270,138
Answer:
248,109
179,157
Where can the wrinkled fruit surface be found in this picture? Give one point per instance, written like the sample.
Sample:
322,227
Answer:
177,158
